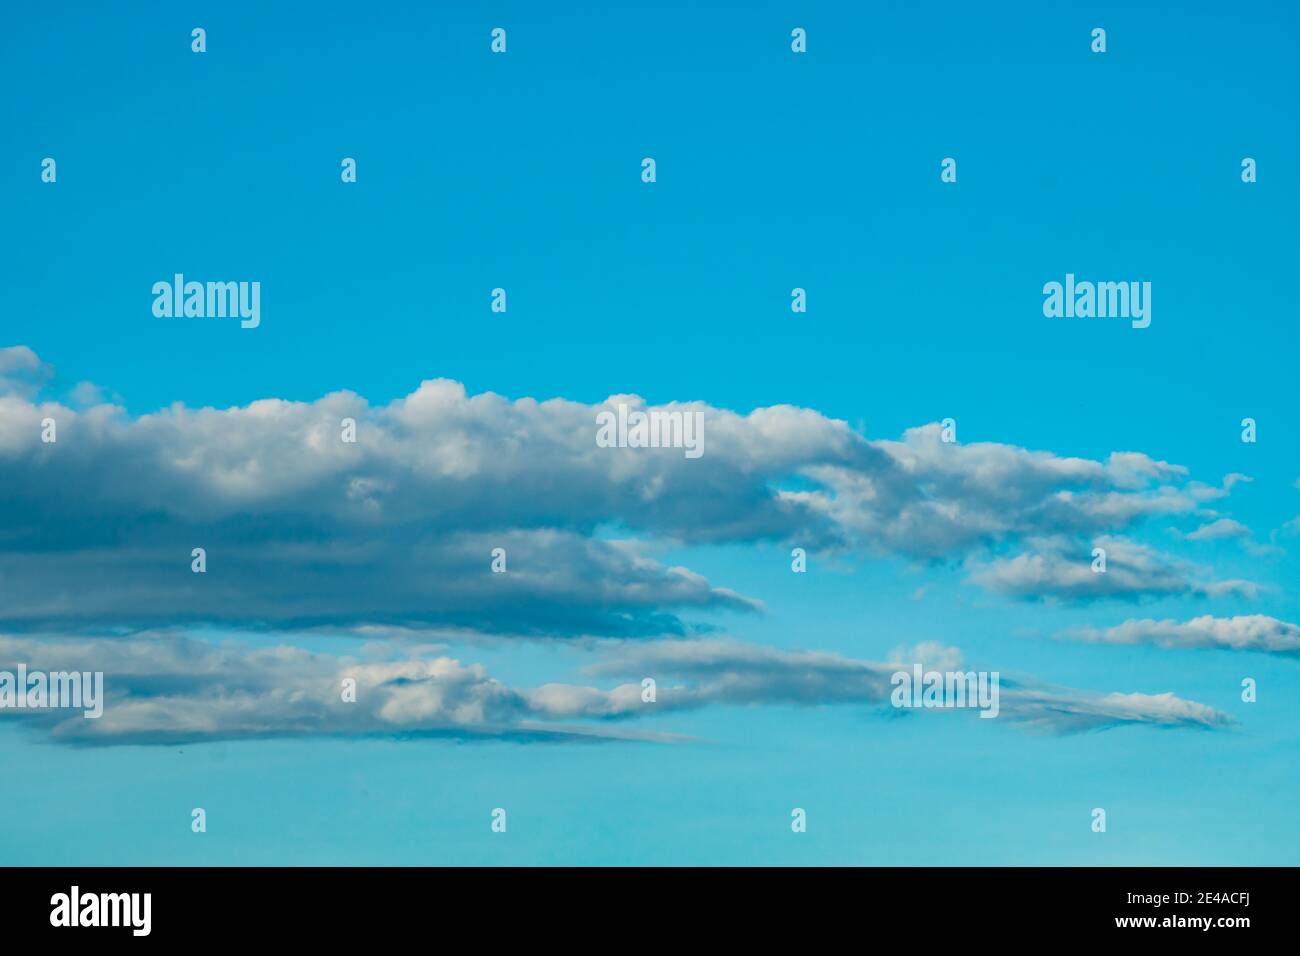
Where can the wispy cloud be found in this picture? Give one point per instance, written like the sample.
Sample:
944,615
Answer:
1252,632
168,688
1063,569
725,671
1224,529
1219,529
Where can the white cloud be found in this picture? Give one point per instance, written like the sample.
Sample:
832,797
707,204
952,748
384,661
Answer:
725,671
1251,632
22,373
1217,530
303,529
1062,568
166,688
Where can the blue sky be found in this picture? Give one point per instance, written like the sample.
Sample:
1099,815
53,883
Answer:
775,170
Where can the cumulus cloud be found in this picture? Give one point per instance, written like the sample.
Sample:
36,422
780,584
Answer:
924,498
1060,568
22,373
303,529
1250,632
169,688
87,394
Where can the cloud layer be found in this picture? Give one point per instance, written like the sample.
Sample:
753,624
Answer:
302,528
396,532
168,688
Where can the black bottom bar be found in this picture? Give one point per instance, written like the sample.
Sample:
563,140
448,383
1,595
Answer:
207,906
